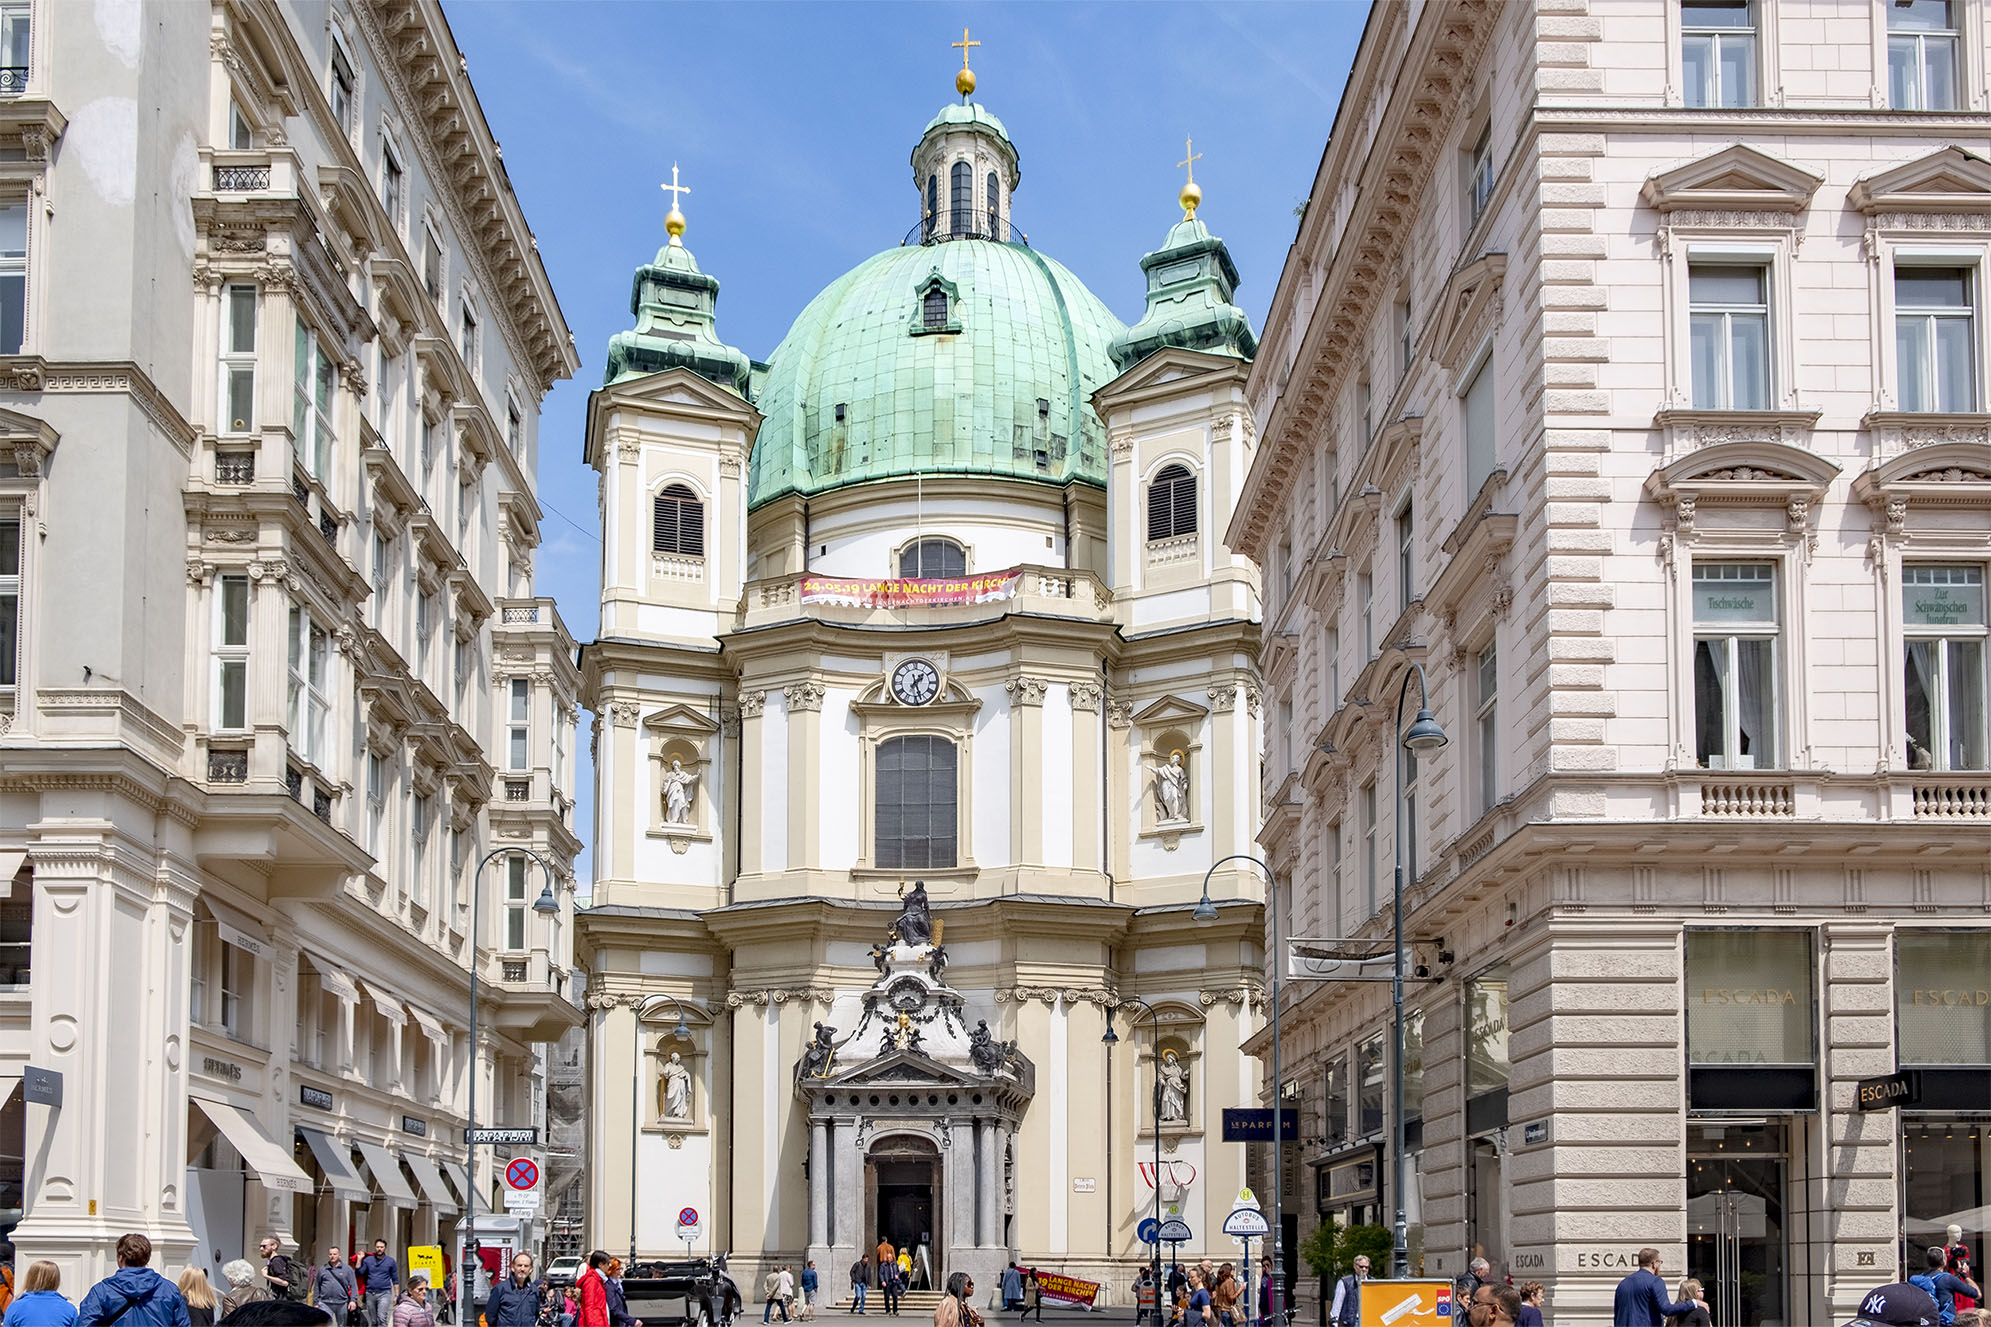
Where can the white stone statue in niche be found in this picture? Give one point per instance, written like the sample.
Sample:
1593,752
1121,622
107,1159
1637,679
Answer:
677,1089
679,785
1173,1075
1172,789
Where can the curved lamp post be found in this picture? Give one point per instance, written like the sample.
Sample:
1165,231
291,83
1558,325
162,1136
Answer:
1112,1038
1423,736
1206,911
683,1033
545,905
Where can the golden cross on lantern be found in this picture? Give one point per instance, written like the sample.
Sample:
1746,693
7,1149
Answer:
1189,159
1192,193
674,219
964,82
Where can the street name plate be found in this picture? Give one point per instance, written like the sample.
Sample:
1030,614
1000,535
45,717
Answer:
502,1137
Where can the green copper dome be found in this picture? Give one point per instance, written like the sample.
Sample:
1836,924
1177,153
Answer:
969,357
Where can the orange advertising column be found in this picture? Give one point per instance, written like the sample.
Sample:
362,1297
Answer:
1407,1304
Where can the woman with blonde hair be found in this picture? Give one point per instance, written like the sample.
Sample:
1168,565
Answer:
1698,1316
199,1296
38,1300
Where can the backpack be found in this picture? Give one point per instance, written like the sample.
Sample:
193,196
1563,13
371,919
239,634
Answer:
297,1286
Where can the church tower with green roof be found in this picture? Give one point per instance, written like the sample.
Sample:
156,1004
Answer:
936,592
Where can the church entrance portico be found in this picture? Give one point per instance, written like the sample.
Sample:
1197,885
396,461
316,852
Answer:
902,1186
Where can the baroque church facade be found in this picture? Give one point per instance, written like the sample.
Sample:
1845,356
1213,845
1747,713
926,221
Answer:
928,698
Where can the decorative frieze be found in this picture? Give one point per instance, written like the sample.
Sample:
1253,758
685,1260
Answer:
765,996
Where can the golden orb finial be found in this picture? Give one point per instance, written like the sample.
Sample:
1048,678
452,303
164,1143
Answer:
964,82
1191,196
674,219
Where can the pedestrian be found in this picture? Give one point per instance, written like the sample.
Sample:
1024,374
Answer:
809,1287
886,1254
890,1285
1532,1295
954,1309
514,1300
1697,1316
283,1279
38,1300
1493,1306
199,1295
618,1305
240,1274
336,1289
1901,1304
412,1308
135,1295
787,1293
593,1290
1347,1308
860,1283
1943,1286
1033,1296
1225,1294
1640,1299
380,1281
770,1294
1012,1287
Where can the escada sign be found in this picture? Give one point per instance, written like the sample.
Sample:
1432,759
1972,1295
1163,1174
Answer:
1900,1088
1746,995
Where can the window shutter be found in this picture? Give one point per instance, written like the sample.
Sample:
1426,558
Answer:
679,523
1172,503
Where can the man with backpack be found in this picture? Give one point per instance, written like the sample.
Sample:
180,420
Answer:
1942,1286
285,1278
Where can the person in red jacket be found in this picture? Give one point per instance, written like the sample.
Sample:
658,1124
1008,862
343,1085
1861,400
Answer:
594,1292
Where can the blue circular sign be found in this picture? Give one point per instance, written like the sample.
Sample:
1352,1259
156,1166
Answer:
1148,1231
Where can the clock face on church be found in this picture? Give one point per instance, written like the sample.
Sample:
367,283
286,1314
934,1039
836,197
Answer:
915,682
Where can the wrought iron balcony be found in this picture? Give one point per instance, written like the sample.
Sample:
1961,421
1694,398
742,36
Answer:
13,80
241,179
235,467
964,226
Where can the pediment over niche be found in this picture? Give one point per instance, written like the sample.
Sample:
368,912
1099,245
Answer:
677,719
1946,180
1736,178
1942,475
1170,711
1468,310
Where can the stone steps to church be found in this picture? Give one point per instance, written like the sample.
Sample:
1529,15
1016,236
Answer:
922,1301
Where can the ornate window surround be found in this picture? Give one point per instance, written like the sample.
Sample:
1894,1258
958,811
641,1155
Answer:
1769,66
951,715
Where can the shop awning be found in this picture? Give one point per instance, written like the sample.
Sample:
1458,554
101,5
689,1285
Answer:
389,1007
333,978
454,1169
387,1180
260,1152
431,1025
335,1159
430,1180
10,866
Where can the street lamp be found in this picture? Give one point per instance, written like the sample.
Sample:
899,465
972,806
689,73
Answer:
1113,1039
1206,911
1424,735
545,905
683,1033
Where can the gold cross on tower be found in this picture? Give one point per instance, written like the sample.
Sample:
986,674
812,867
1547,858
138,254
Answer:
964,82
674,219
1191,194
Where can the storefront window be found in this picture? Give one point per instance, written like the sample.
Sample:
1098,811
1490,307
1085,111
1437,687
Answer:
1749,997
1946,1182
1372,1084
1486,1032
1942,997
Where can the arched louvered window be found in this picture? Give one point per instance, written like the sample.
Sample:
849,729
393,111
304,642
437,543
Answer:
933,309
961,188
1172,503
995,207
678,523
933,557
932,204
918,803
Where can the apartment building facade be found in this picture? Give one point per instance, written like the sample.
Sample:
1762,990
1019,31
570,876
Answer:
286,737
1627,377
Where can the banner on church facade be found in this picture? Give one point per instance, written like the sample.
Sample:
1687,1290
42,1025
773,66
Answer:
1068,1288
911,592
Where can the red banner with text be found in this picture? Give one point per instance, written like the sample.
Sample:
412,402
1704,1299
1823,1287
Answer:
908,592
1068,1288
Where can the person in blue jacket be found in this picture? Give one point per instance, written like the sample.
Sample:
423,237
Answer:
39,1302
134,1295
1641,1300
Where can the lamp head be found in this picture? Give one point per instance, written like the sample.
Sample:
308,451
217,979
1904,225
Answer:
1111,1038
546,905
1206,911
1424,734
683,1029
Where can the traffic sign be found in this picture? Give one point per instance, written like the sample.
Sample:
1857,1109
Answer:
522,1174
502,1137
1246,1198
687,1216
1149,1231
1174,1231
1246,1223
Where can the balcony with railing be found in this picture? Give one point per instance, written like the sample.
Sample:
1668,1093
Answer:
962,224
1041,591
235,172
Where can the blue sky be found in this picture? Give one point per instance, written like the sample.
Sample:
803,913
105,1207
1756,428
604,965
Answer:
793,125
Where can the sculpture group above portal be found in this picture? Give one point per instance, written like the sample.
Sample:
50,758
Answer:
914,925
